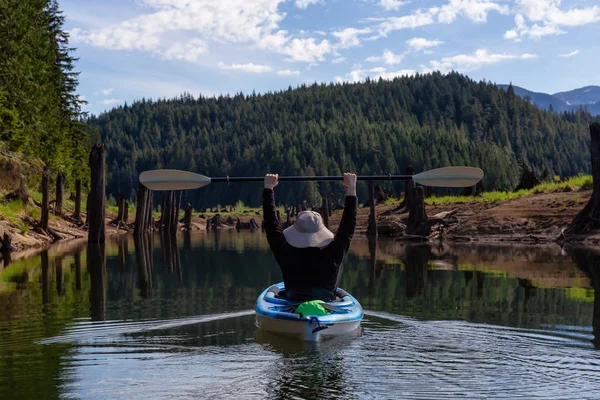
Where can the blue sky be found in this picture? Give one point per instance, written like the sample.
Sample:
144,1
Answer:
130,49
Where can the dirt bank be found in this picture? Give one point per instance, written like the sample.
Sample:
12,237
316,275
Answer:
538,218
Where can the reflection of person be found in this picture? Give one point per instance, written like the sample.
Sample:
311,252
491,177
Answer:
308,253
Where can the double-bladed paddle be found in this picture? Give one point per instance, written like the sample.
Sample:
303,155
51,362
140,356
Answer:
172,179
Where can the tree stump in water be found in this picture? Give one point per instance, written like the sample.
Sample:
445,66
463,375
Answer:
588,219
528,179
187,219
60,193
97,197
418,225
140,210
372,228
406,203
45,199
5,245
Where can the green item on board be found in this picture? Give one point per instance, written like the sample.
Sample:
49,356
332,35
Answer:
311,308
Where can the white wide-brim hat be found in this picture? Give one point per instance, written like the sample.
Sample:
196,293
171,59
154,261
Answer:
308,231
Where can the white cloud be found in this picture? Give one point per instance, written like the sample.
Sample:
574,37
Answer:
250,67
571,54
254,22
288,72
419,44
388,57
190,51
306,3
547,18
104,92
108,102
470,62
349,37
360,74
475,10
338,60
392,4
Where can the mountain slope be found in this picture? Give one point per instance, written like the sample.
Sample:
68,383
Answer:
374,127
588,95
542,100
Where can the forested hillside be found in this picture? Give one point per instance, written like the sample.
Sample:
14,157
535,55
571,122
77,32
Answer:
39,108
381,126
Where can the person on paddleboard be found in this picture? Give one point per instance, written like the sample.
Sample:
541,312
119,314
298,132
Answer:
308,253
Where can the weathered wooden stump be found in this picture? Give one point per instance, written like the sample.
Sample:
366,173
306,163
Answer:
408,195
45,199
187,219
372,228
324,212
528,179
141,212
588,219
97,197
60,193
418,224
20,193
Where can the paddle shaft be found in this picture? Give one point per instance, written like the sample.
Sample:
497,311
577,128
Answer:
228,179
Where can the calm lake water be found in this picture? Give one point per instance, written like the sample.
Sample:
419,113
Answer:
156,319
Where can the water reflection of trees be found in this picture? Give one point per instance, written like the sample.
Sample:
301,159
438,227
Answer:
96,263
588,261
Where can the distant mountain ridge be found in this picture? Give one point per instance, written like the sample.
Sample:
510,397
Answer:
587,97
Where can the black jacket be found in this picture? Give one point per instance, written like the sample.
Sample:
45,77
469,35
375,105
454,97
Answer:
309,273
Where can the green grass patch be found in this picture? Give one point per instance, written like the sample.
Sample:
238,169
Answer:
572,184
11,209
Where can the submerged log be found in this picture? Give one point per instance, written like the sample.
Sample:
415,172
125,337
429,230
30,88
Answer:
45,199
588,219
97,198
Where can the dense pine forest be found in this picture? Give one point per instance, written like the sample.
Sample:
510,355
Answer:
427,121
40,111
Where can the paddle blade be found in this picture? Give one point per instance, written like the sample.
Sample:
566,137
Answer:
172,179
450,177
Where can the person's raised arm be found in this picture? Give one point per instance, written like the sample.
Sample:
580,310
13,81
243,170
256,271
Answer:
345,231
271,223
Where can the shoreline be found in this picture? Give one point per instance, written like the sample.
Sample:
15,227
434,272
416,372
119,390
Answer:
538,219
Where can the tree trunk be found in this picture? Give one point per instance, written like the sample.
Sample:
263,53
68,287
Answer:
417,215
140,210
176,206
324,212
408,195
588,219
45,200
528,179
149,224
187,219
97,198
125,211
60,193
120,205
77,214
372,228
